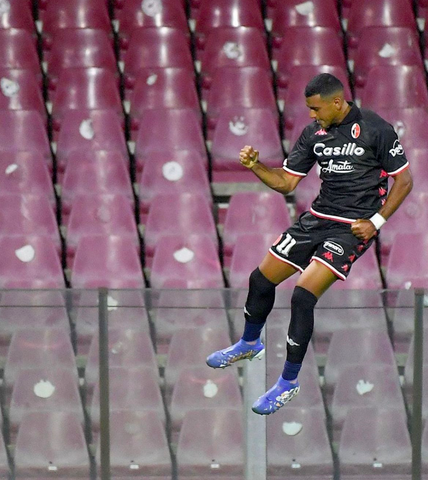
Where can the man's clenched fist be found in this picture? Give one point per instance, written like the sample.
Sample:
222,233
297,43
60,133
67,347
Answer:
248,156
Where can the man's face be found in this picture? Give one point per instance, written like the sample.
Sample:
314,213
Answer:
324,110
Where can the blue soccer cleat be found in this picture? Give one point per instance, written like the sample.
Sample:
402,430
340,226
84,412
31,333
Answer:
240,351
275,398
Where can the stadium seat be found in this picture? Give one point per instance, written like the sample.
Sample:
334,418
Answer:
132,389
86,133
417,158
330,320
408,123
18,51
30,261
155,47
138,443
78,48
240,126
17,15
254,212
346,5
406,268
175,172
62,14
24,130
246,87
298,445
169,320
355,347
26,173
102,173
38,348
310,46
379,46
202,388
50,442
412,215
219,446
43,389
166,130
104,215
375,444
98,90
162,88
406,87
20,89
127,348
385,13
233,47
226,13
29,215
287,15
186,260
126,310
190,348
111,262
24,309
134,14
364,385
178,213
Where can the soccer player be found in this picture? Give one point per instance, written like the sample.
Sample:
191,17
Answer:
356,151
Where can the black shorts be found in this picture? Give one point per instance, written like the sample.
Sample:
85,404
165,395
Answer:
326,241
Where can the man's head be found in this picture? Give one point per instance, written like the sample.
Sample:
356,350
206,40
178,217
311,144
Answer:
325,99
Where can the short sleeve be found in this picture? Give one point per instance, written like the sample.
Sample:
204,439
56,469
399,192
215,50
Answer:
390,151
301,158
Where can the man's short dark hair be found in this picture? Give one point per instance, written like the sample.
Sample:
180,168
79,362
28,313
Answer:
324,85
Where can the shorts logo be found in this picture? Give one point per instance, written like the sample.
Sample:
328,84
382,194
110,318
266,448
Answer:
333,247
396,149
355,130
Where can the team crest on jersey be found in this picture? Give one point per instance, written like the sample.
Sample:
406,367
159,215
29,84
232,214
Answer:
321,131
355,130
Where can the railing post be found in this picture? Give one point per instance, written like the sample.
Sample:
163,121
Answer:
104,385
418,357
255,425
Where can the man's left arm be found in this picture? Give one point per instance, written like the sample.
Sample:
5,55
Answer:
402,186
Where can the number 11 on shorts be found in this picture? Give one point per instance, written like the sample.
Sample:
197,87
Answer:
286,245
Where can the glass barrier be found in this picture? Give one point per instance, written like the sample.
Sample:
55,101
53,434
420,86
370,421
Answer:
114,384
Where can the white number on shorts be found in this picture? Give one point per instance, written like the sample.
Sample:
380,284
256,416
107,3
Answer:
286,245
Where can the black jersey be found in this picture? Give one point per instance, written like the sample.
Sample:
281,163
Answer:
355,159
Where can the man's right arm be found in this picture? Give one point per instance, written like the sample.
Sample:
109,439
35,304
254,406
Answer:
276,178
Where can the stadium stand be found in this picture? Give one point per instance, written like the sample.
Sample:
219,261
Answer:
146,100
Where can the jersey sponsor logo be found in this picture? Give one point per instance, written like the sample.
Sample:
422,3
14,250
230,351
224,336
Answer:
348,149
396,149
333,247
338,166
321,131
355,130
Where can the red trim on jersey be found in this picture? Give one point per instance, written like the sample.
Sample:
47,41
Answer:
401,169
295,174
331,217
